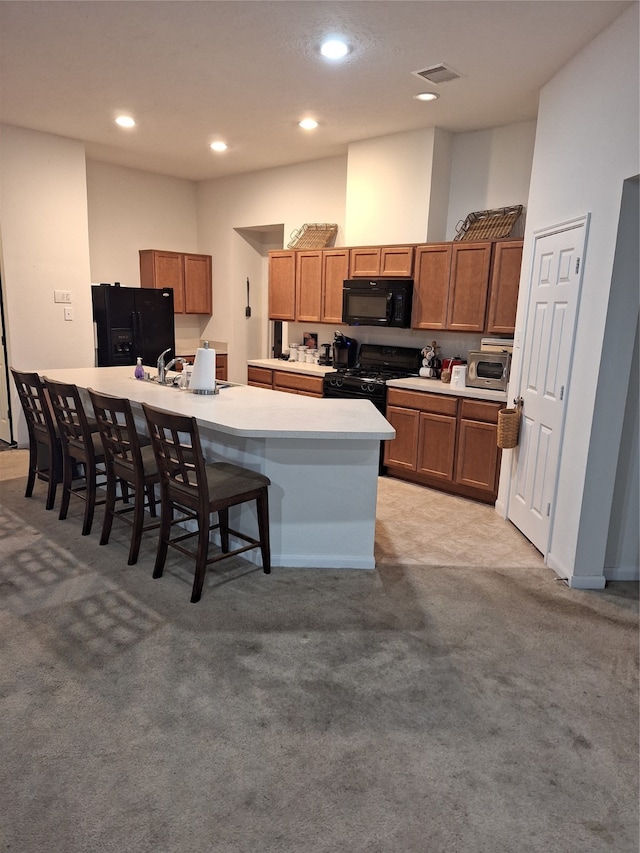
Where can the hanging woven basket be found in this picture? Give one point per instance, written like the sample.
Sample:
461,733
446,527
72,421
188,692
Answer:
509,426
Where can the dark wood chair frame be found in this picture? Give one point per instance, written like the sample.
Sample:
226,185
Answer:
130,461
45,448
195,490
82,452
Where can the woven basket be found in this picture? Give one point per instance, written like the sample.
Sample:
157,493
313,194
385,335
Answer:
313,236
489,224
509,427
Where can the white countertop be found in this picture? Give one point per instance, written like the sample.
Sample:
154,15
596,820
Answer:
411,383
292,366
436,386
240,409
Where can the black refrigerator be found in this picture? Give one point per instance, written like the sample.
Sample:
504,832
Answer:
132,322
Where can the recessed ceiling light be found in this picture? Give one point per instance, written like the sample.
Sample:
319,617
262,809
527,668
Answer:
308,124
426,96
125,121
334,49
218,146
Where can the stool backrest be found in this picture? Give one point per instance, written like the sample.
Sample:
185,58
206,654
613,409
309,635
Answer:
35,405
73,425
118,433
176,445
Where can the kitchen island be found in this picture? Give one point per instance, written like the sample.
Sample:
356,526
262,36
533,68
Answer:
321,456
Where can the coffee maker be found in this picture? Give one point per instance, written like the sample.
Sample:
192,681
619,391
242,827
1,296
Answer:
345,351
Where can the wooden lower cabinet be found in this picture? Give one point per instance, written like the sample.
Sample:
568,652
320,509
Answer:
221,365
444,442
284,380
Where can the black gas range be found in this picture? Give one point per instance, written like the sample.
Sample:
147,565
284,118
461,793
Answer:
376,366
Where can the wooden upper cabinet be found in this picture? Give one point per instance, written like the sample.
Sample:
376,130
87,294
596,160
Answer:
396,260
163,269
505,282
189,275
431,286
392,261
469,286
364,261
309,285
335,269
197,284
282,285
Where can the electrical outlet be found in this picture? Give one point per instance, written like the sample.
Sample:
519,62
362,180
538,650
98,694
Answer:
68,313
62,296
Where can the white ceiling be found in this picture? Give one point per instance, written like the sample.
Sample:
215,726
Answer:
247,72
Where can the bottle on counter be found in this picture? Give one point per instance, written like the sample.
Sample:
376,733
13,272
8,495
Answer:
139,369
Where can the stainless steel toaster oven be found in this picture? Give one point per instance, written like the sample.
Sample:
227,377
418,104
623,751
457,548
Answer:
488,370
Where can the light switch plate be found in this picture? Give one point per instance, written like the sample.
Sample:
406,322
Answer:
62,296
68,313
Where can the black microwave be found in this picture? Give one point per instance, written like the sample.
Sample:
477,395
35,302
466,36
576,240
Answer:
377,302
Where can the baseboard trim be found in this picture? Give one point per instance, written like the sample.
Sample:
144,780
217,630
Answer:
622,573
576,581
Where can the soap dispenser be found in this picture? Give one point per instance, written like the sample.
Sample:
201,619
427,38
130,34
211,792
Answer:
139,371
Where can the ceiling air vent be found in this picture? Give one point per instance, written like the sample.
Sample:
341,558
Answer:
438,73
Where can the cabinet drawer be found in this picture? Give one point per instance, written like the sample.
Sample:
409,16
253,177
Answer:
260,375
283,381
425,402
477,410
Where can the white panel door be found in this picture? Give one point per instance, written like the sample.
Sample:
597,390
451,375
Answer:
548,347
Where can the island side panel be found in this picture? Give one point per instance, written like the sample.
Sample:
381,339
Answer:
322,498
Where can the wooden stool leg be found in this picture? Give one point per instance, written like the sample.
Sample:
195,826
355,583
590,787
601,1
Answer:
263,527
201,558
166,514
138,521
223,518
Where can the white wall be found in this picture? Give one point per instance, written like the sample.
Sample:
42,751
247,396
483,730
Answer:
389,188
131,210
586,146
291,196
43,220
489,169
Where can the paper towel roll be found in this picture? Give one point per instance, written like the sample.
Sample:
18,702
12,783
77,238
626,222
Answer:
203,377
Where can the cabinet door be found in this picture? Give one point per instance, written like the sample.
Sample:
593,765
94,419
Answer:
431,286
197,284
477,457
221,366
308,285
400,451
163,269
505,281
468,286
282,285
396,260
364,261
436,445
335,269
261,377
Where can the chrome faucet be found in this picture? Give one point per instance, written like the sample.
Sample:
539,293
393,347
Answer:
177,360
162,370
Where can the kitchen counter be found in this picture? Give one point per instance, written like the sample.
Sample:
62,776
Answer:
292,366
321,456
436,386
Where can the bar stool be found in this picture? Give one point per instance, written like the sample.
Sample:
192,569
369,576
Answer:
196,489
129,460
45,449
80,447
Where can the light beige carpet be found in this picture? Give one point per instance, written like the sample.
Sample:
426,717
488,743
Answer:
420,708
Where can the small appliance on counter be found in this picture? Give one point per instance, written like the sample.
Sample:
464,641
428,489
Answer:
345,351
489,367
325,354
